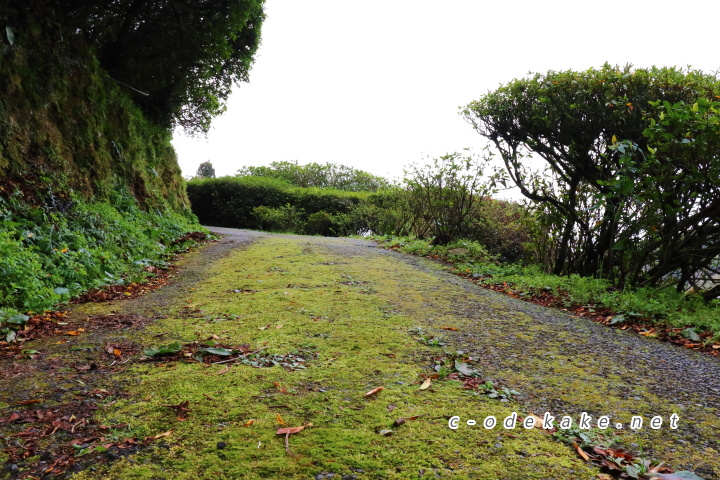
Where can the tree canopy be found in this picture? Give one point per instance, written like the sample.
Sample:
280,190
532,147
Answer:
630,188
178,58
205,170
329,175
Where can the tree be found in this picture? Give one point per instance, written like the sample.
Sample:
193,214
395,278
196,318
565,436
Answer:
205,170
178,58
329,175
630,184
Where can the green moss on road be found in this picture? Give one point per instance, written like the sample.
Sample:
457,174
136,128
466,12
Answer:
349,316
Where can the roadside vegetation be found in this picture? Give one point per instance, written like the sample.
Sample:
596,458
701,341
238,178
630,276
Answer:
622,210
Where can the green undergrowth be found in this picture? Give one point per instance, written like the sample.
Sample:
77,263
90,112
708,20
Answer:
663,305
284,296
49,256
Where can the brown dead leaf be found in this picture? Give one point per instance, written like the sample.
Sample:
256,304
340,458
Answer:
181,408
426,384
402,420
580,451
374,391
249,422
450,328
290,430
164,434
72,333
224,370
279,419
538,421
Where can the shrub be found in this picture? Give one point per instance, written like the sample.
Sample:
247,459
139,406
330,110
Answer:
283,219
231,201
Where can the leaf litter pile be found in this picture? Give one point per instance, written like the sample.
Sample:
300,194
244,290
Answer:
212,352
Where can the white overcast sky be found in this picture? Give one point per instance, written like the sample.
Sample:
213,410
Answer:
376,84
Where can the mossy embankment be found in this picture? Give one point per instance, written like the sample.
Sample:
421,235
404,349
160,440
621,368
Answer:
348,315
90,189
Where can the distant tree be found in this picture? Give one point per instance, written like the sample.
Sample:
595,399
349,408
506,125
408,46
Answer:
631,185
205,170
178,58
329,175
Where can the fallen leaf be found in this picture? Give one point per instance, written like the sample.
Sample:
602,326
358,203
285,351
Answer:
580,451
279,419
164,434
287,432
374,391
290,430
463,368
402,420
426,384
181,408
538,421
224,370
450,328
73,333
249,422
278,327
29,402
386,432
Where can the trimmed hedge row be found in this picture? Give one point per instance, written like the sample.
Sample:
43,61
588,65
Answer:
231,201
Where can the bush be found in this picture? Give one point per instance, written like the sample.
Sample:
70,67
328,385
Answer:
506,228
284,219
231,201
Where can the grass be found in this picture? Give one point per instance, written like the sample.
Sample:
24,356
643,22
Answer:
659,305
294,299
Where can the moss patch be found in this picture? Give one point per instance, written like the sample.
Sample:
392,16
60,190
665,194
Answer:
353,312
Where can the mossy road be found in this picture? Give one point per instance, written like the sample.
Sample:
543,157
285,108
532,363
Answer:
343,311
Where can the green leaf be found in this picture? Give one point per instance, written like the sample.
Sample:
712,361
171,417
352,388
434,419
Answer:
61,290
169,349
10,35
18,319
216,351
463,368
617,319
632,471
691,334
